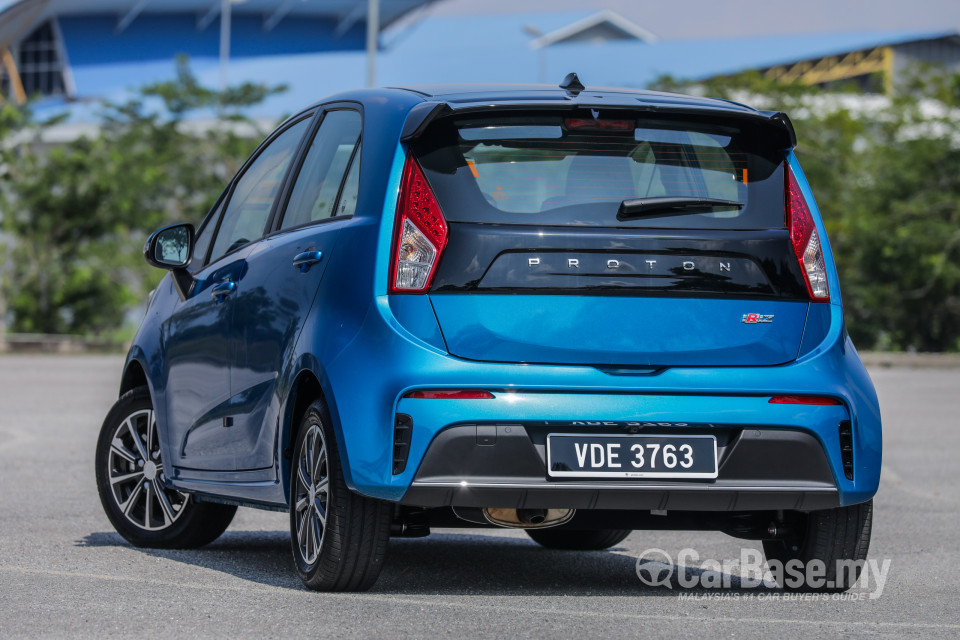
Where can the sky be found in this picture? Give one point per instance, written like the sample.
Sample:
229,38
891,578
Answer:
739,18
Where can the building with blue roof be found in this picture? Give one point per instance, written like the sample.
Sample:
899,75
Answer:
96,50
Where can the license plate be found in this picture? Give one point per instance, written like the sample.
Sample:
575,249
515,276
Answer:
585,456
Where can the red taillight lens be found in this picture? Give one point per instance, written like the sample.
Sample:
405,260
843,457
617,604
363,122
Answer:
449,394
420,234
806,240
581,124
822,400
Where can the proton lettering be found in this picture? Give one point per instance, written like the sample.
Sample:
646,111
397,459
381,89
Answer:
620,264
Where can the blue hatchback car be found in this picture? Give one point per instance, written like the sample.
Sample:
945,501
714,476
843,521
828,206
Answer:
575,311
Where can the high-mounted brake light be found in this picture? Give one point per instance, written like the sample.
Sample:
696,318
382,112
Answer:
818,400
449,394
806,240
420,234
588,124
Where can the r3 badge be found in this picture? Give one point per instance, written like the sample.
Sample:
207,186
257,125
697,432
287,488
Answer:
756,318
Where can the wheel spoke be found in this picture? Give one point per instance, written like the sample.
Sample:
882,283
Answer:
301,529
322,486
136,438
148,508
321,458
317,452
134,495
302,476
151,429
311,544
165,507
301,504
308,451
126,477
117,447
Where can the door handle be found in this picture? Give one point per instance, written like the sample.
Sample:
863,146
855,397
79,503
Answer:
221,291
303,261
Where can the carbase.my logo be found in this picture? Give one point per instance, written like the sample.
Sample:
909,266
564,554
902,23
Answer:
656,568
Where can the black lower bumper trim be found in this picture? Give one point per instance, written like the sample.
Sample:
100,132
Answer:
607,496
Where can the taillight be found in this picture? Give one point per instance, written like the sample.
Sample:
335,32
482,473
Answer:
791,399
420,234
806,241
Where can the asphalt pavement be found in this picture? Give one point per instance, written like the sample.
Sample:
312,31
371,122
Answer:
64,572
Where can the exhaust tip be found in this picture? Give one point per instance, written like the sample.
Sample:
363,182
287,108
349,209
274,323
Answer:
532,516
527,518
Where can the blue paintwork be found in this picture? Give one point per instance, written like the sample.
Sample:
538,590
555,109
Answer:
337,324
618,330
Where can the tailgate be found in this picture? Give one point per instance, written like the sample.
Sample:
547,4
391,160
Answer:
613,238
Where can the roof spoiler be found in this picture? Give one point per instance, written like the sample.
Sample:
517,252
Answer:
782,119
422,116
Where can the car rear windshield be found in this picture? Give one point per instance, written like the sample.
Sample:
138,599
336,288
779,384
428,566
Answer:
577,168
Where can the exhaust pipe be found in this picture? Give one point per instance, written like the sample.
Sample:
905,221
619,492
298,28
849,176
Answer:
527,518
531,517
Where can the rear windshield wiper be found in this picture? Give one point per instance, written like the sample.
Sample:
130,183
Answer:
671,206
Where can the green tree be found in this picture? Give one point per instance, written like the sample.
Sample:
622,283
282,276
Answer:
886,177
76,215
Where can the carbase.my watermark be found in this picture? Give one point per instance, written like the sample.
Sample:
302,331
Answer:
656,568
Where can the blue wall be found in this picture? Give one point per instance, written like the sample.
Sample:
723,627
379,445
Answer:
92,40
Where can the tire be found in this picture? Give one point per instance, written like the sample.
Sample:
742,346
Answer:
339,538
831,535
559,538
129,472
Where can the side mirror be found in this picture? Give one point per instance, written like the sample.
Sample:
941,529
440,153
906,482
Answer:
170,247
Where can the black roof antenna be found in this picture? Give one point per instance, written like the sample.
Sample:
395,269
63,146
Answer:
572,85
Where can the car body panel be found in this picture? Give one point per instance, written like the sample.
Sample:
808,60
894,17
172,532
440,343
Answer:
619,330
196,369
270,306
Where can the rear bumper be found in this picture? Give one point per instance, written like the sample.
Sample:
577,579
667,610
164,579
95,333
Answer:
505,466
370,376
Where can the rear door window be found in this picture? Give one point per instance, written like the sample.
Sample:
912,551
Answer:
563,170
324,188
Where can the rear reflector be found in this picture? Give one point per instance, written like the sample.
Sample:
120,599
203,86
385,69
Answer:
804,400
846,448
420,235
402,433
806,241
449,394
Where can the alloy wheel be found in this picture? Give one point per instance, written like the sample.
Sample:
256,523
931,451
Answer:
312,494
136,475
